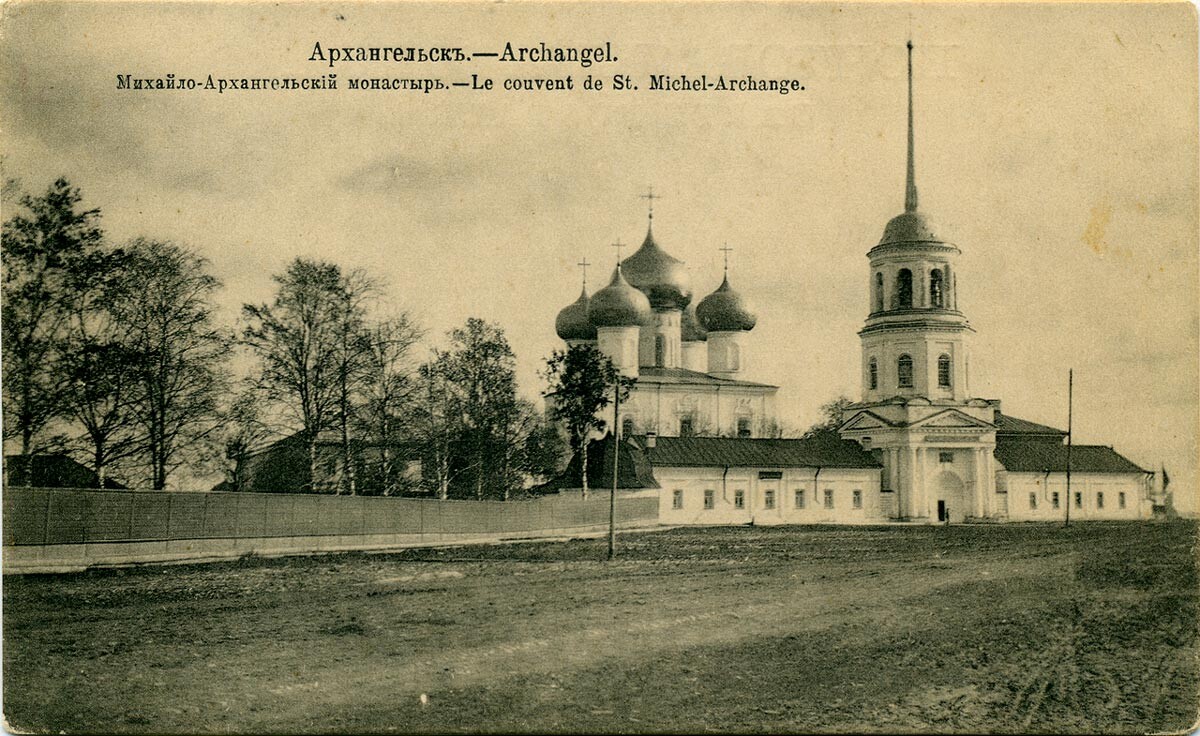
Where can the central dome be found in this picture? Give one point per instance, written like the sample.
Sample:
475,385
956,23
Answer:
660,276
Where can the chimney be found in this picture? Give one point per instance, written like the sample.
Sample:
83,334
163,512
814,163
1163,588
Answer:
651,440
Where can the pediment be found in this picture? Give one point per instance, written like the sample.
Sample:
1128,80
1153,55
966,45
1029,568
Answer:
951,419
865,420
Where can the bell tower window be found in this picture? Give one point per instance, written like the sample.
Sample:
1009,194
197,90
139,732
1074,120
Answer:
660,350
937,289
904,291
944,371
872,374
878,303
904,371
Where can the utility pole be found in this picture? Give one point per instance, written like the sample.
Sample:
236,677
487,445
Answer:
612,498
1070,405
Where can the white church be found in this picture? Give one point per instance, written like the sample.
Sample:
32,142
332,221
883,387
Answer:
916,447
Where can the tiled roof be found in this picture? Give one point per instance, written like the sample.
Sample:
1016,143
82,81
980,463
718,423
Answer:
824,452
1032,456
1012,425
688,377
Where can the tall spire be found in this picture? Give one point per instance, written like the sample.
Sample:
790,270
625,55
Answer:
910,192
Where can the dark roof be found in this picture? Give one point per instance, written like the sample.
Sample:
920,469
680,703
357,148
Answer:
633,471
1012,425
822,452
1032,456
688,377
52,470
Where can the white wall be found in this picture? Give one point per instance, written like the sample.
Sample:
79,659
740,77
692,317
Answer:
1021,485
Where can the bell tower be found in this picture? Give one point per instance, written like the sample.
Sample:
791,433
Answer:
935,440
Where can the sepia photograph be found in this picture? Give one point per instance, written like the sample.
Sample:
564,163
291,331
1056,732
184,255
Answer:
600,367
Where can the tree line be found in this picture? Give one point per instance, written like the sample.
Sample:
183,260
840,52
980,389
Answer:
114,355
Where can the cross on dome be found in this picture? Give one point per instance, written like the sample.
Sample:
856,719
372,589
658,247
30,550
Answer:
650,196
583,265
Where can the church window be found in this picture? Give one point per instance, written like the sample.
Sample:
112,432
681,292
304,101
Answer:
1054,500
733,357
828,498
944,371
739,499
677,500
743,428
686,427
904,291
709,497
1100,500
660,350
1078,500
858,499
873,374
878,292
937,289
626,426
946,456
1033,501
769,499
799,498
1121,500
904,371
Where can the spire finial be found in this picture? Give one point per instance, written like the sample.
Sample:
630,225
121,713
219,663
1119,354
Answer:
910,192
650,196
726,250
583,266
618,245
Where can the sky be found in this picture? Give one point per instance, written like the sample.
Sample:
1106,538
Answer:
1056,145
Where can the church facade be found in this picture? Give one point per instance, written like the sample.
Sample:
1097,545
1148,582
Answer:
918,446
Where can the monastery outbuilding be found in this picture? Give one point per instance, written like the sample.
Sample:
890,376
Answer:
917,446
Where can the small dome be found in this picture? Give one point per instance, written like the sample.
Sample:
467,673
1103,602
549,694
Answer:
690,328
572,322
910,227
618,304
658,275
725,310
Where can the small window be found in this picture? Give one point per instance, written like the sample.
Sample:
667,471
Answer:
1121,500
1054,500
936,289
709,497
677,500
743,428
873,374
660,351
828,498
878,292
739,499
904,371
686,427
627,426
904,289
1078,500
1100,500
945,457
858,499
944,371
1033,501
769,499
799,498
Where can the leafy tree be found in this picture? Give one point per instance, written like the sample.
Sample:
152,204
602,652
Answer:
832,414
165,308
41,246
439,423
387,391
581,385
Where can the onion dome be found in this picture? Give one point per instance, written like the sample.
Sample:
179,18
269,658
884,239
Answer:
618,304
725,310
572,322
690,328
658,275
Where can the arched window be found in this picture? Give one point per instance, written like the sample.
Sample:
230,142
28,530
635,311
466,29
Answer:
660,351
872,374
627,426
944,371
878,304
904,292
937,290
904,371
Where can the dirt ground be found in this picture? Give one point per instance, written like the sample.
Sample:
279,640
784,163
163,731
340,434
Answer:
1000,628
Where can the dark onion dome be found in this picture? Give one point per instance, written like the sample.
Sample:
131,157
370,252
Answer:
690,328
909,227
725,310
572,322
658,275
618,304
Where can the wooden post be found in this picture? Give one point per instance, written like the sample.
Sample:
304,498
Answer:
1070,402
612,498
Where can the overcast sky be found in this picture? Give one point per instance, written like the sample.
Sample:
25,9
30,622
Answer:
1056,145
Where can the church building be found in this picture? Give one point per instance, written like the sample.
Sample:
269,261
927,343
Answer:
917,446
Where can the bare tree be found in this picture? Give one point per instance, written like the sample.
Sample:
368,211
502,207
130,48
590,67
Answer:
387,390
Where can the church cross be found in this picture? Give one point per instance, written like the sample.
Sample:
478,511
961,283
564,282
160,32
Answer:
583,265
618,245
726,250
650,196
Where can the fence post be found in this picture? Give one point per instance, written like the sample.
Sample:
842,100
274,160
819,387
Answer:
132,508
170,502
204,519
46,520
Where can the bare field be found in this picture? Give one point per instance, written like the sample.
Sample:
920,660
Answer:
1002,628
